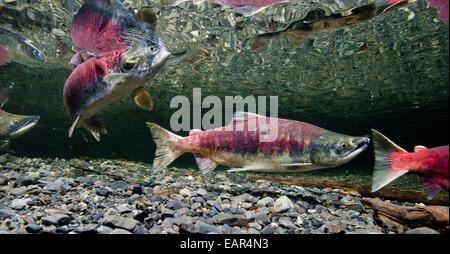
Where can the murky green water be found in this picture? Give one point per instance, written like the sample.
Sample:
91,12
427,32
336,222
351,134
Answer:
389,73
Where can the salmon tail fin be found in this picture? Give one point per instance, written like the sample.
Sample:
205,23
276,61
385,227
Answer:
383,174
163,139
431,188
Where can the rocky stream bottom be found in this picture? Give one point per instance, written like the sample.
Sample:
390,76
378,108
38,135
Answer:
77,196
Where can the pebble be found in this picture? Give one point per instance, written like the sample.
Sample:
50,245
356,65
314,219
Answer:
231,219
120,222
282,204
33,228
267,230
4,180
123,208
204,228
286,222
58,219
176,204
96,203
102,192
422,230
18,204
119,231
267,201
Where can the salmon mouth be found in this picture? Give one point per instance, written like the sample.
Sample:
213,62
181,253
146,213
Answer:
361,146
26,125
145,65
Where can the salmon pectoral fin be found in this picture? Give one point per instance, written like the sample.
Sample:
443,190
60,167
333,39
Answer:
257,167
239,169
142,98
205,165
383,174
430,187
73,125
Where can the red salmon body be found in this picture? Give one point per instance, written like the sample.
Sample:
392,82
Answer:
293,137
257,143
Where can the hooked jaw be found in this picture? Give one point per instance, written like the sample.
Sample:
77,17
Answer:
333,149
361,145
26,125
142,61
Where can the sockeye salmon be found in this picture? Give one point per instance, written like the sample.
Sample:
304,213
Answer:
296,146
117,55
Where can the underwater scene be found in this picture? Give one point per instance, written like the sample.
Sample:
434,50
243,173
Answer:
224,117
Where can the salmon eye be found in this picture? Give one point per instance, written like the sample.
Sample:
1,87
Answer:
152,49
16,121
344,145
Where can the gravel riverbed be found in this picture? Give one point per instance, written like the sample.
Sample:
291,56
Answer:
58,196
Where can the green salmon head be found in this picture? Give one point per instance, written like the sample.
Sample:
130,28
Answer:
12,126
334,149
144,57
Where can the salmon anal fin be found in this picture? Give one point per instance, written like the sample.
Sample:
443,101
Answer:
205,165
430,187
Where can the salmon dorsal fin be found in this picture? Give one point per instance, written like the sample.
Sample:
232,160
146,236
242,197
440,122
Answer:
194,131
4,96
419,148
383,174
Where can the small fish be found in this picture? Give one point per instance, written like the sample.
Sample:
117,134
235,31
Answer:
17,48
117,55
297,146
443,7
11,125
245,7
391,162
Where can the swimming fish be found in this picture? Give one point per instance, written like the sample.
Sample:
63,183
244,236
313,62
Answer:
245,7
252,142
391,162
17,48
11,125
117,56
443,7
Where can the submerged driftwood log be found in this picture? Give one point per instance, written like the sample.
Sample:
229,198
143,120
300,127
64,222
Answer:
415,196
400,218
